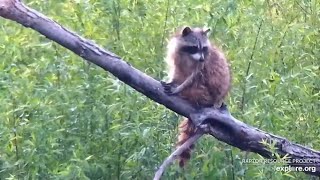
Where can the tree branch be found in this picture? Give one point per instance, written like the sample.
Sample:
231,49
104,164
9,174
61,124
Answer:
223,125
177,152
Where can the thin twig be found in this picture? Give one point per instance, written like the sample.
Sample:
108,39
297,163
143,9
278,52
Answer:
177,152
165,24
249,66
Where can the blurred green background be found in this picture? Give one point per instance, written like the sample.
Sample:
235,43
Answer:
64,118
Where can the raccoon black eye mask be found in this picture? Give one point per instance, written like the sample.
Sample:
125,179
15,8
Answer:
194,49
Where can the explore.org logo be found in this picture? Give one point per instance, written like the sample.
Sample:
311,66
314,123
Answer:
299,165
298,169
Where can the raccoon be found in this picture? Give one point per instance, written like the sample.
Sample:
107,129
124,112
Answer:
199,73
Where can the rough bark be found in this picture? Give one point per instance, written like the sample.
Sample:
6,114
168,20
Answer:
222,124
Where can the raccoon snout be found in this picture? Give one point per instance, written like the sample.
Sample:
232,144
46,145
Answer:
201,59
198,57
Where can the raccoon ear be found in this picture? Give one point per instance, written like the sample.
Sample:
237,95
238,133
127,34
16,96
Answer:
206,31
186,30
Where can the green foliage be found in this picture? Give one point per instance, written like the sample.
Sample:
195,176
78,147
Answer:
64,118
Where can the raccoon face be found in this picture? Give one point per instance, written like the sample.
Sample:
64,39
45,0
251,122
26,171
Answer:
194,43
197,53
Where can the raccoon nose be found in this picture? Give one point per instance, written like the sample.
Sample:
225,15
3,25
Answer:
201,58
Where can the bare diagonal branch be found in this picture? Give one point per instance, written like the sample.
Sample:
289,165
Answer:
176,153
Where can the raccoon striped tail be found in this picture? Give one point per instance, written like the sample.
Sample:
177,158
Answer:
186,130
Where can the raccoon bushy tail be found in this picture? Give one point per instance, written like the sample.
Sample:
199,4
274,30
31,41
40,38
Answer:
186,130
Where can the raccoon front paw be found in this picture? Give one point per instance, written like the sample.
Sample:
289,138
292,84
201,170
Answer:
168,87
